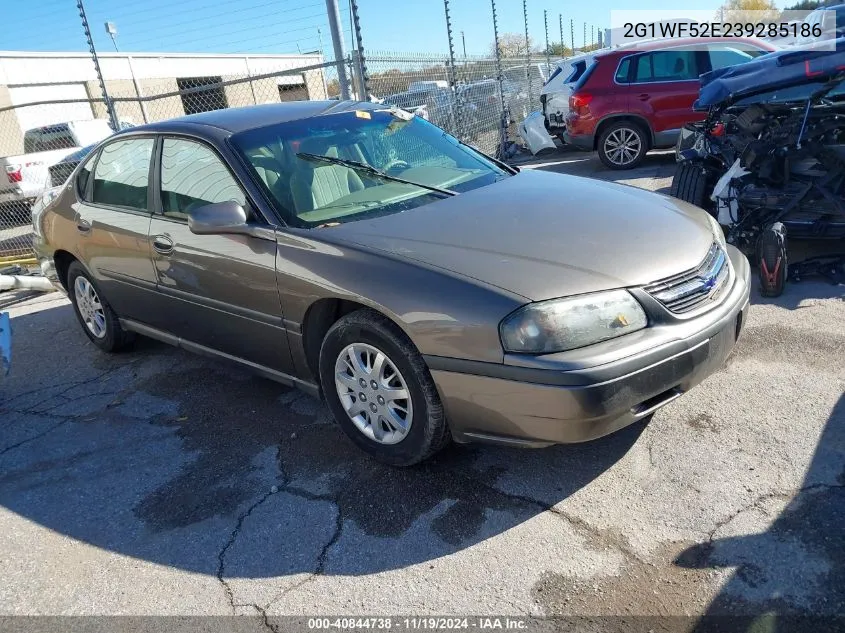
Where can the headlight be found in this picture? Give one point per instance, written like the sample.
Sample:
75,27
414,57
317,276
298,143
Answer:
718,233
563,324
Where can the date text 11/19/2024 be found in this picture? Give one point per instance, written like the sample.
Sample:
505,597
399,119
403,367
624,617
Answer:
418,623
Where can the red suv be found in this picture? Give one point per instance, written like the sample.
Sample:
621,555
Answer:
636,98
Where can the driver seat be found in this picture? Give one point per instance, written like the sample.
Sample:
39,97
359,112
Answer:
314,185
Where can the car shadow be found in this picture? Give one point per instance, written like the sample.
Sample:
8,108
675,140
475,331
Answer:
159,455
788,554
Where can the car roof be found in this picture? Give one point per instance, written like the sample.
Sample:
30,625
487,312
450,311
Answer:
234,120
673,42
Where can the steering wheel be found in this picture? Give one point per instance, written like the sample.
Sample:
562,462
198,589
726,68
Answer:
395,164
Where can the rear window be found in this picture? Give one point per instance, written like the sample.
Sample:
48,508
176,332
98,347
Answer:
578,69
586,76
554,74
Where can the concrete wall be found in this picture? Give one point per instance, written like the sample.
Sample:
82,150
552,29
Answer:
72,76
11,134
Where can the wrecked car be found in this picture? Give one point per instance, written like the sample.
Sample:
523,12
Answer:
769,159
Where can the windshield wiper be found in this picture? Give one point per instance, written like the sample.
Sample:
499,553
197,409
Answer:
367,169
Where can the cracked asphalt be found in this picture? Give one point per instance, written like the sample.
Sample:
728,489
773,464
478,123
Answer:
157,482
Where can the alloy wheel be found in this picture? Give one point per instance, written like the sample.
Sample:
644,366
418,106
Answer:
623,146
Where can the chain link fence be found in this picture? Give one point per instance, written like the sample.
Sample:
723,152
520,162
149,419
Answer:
476,99
41,142
473,99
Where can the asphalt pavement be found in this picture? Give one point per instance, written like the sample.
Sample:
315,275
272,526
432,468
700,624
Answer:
161,483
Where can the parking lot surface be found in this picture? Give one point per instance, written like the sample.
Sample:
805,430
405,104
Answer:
157,482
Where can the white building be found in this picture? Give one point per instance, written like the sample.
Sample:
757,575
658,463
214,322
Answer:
32,83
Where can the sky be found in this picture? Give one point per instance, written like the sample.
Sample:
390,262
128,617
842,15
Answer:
290,26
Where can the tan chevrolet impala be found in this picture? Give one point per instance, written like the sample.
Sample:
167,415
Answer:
428,292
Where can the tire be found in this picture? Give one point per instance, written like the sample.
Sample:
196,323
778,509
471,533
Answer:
106,333
690,184
627,132
772,260
425,434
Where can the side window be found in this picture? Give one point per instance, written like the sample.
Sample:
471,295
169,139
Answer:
623,72
192,176
122,174
83,177
724,55
670,65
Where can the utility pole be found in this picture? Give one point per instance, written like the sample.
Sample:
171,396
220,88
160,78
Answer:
593,36
111,29
572,33
585,36
337,40
464,42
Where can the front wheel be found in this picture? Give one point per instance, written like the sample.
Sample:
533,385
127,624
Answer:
380,391
622,145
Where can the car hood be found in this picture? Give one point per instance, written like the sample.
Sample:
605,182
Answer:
542,235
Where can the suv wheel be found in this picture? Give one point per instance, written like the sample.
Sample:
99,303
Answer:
622,145
380,391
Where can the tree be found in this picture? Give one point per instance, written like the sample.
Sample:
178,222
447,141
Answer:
741,11
558,50
512,45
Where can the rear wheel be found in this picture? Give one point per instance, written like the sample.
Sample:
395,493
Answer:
380,390
772,260
690,184
98,320
622,145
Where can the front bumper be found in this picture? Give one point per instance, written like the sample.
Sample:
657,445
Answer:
533,407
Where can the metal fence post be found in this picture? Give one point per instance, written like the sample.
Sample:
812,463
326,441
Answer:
527,55
358,75
337,40
503,127
106,98
456,108
362,61
548,52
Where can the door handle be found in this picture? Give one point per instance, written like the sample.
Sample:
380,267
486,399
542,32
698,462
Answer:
163,244
83,226
644,96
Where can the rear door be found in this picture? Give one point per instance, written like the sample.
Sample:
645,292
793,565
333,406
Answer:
664,86
218,291
113,220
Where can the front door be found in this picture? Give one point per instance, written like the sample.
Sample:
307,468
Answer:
218,291
113,221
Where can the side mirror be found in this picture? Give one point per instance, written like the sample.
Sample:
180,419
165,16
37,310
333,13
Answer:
218,218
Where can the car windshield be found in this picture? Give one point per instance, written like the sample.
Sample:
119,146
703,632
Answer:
361,164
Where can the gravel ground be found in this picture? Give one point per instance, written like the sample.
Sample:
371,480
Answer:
157,482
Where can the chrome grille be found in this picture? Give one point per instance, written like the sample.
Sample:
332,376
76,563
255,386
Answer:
693,288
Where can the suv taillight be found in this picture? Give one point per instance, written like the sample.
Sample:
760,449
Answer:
578,101
13,173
